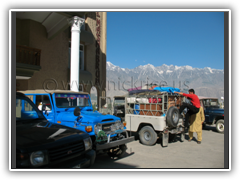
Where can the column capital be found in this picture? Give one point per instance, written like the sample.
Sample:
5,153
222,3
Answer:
76,22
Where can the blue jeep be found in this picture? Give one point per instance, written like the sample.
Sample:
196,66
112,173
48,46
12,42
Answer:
74,109
213,113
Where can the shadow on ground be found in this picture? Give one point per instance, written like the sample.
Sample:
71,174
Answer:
103,161
210,128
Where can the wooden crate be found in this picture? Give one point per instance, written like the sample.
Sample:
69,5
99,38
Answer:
174,101
150,109
179,102
171,103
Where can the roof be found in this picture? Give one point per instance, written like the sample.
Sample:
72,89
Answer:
43,91
203,97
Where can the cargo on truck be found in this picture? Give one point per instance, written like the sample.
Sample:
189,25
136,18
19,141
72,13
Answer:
151,114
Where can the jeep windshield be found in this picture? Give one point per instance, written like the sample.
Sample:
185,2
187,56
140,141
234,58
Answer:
119,101
65,100
210,102
26,110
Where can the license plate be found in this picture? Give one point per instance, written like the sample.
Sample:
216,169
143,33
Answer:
77,166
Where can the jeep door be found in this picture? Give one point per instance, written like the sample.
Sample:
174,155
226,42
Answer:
44,104
207,112
24,110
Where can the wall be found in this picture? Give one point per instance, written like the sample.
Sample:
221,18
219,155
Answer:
54,60
91,57
54,54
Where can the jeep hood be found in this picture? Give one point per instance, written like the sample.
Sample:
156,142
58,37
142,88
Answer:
41,133
215,108
87,116
98,117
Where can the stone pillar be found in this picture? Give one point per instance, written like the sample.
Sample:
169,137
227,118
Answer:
76,23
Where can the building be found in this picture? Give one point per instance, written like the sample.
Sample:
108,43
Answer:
43,50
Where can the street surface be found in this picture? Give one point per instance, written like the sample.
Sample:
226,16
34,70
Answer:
208,154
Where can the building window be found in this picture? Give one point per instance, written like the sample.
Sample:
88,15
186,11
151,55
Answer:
81,56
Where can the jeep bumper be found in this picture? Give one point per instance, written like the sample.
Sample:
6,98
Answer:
114,143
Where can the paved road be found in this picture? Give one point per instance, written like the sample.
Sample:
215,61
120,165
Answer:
209,154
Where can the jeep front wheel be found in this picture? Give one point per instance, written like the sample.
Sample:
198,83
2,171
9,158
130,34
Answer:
148,136
220,126
117,152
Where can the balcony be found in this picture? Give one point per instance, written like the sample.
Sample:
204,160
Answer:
27,61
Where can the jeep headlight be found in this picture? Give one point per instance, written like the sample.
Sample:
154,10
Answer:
88,143
118,125
38,158
113,127
97,128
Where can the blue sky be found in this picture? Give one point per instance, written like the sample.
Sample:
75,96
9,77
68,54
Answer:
179,38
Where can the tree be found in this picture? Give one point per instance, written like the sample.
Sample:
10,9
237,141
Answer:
94,107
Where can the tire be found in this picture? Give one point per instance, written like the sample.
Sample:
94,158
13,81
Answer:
147,136
117,152
172,117
220,126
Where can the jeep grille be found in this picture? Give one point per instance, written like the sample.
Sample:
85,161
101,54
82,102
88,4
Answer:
106,127
65,151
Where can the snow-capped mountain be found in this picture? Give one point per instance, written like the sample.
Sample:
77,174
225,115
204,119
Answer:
205,81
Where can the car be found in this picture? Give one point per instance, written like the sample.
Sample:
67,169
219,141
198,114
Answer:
43,144
213,113
75,110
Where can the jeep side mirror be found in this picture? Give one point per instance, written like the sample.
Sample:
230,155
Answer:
77,111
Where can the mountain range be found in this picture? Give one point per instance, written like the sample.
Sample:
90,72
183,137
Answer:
206,81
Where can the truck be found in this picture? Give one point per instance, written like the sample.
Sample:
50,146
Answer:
214,115
151,115
42,144
74,109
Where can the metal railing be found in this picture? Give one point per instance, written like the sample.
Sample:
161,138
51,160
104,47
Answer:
151,105
28,55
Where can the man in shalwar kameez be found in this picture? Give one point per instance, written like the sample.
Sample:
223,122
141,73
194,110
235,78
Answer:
196,121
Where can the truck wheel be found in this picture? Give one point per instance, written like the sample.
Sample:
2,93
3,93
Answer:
220,126
148,136
117,151
172,117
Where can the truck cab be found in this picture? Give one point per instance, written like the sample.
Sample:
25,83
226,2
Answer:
43,144
213,113
107,132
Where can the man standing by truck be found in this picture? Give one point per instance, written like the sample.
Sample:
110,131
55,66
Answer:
196,121
192,108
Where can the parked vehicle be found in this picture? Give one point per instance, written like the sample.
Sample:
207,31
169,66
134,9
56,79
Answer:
213,113
74,109
42,144
151,115
115,107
